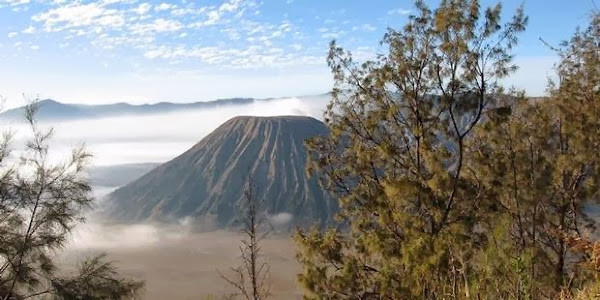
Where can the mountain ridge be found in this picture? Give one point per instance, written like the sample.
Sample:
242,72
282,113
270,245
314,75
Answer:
52,110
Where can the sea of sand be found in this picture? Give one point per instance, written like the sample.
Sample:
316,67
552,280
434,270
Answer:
177,263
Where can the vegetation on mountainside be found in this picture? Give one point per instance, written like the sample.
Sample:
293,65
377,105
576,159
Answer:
40,203
453,187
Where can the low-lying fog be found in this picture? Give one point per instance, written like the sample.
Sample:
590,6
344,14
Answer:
177,261
159,138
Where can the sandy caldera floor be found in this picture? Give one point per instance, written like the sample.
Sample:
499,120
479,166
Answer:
178,264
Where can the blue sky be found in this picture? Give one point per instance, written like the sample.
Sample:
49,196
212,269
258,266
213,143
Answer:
184,50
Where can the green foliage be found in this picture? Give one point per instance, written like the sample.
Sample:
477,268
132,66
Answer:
452,187
95,279
40,203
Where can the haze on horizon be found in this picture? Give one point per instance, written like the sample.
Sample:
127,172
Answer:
158,137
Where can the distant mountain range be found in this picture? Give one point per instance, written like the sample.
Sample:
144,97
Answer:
207,181
50,110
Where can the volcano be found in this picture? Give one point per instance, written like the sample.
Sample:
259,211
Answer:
206,183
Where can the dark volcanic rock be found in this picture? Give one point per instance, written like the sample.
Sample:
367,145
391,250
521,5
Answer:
207,181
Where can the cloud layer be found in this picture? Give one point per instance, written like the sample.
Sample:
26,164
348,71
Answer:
228,33
159,138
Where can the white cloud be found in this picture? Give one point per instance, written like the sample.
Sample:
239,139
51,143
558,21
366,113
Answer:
29,30
252,57
285,26
108,2
110,24
234,7
159,25
178,12
368,27
231,6
331,33
35,47
13,2
213,17
398,11
112,42
164,6
12,34
232,33
143,8
80,15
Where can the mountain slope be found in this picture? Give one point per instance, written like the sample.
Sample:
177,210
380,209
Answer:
206,182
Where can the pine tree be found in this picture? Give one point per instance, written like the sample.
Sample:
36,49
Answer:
539,169
40,203
396,157
451,186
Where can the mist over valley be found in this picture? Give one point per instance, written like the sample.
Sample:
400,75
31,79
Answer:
127,145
